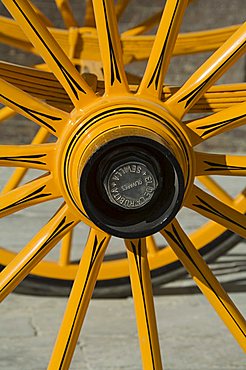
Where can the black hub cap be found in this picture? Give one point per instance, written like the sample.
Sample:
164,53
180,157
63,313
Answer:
132,187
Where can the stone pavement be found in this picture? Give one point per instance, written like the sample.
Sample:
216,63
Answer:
192,337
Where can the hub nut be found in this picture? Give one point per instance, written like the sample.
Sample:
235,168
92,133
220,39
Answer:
131,185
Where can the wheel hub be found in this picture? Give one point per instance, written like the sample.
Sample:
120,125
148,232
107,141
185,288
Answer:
125,169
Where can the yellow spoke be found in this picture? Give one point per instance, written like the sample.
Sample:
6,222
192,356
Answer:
89,20
66,12
51,52
79,300
53,119
220,122
144,26
6,113
35,250
210,207
144,304
41,15
216,189
163,48
206,281
110,48
34,192
220,164
151,245
19,173
208,73
30,156
120,7
65,251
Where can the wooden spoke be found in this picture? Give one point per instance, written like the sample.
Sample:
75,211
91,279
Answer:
6,113
120,7
79,300
89,20
220,122
144,304
53,119
35,250
110,48
163,48
65,251
30,156
41,15
216,189
151,245
66,12
20,172
34,192
56,59
208,73
215,210
144,26
206,281
220,164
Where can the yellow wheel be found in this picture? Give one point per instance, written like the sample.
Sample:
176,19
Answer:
56,276
124,163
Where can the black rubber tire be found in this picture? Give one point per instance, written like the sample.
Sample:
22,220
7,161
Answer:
120,288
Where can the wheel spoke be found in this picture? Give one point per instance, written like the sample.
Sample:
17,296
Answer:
144,304
216,189
30,156
19,173
120,7
79,300
37,111
110,48
66,12
58,62
151,245
6,113
220,122
35,250
206,281
65,251
89,20
208,73
215,210
220,164
144,26
163,48
34,192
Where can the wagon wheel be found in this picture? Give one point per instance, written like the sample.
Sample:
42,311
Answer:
108,142
56,278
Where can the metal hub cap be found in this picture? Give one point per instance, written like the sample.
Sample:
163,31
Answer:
131,185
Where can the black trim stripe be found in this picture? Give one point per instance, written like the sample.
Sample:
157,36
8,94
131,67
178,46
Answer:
222,167
34,114
215,126
114,70
157,71
95,251
35,195
70,80
179,242
203,205
32,159
62,226
137,257
192,95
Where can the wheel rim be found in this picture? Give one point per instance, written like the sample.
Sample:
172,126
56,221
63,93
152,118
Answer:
66,127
